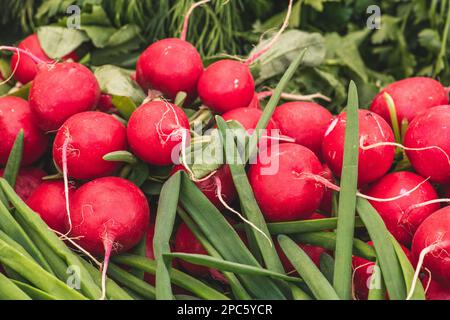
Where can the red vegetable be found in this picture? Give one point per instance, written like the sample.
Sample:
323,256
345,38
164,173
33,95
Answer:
429,134
400,216
209,186
87,137
411,97
27,181
435,290
27,69
281,188
373,163
48,200
15,114
306,122
61,91
431,243
154,131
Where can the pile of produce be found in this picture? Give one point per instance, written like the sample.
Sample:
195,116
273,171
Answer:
174,160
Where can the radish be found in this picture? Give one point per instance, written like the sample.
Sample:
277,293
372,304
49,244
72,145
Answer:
279,185
105,104
61,91
48,200
373,162
446,192
228,84
431,247
427,143
254,103
154,131
84,139
25,68
248,118
434,290
326,206
27,181
171,65
400,216
363,271
186,242
109,215
411,97
306,122
15,114
209,186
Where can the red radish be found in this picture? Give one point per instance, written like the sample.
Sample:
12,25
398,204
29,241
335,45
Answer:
48,200
15,114
105,103
254,103
283,167
306,122
248,118
154,131
27,181
363,271
411,97
109,215
431,246
446,192
25,67
209,186
374,162
434,290
186,242
326,206
228,84
427,143
400,216
171,65
86,137
61,91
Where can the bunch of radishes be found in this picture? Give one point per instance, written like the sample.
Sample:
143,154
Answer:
106,214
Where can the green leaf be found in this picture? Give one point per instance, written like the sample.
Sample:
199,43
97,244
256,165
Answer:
408,272
58,42
315,280
15,158
305,226
178,278
139,173
116,81
275,61
327,266
121,156
23,91
386,255
430,40
347,199
224,238
248,202
377,289
327,240
10,291
165,219
222,265
125,105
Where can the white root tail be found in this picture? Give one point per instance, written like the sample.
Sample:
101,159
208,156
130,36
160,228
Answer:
422,255
336,188
66,178
104,269
293,97
258,54
398,145
224,203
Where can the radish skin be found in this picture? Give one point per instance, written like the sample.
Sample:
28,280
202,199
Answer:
59,92
306,122
278,202
48,200
373,163
400,216
430,130
87,137
411,97
155,129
